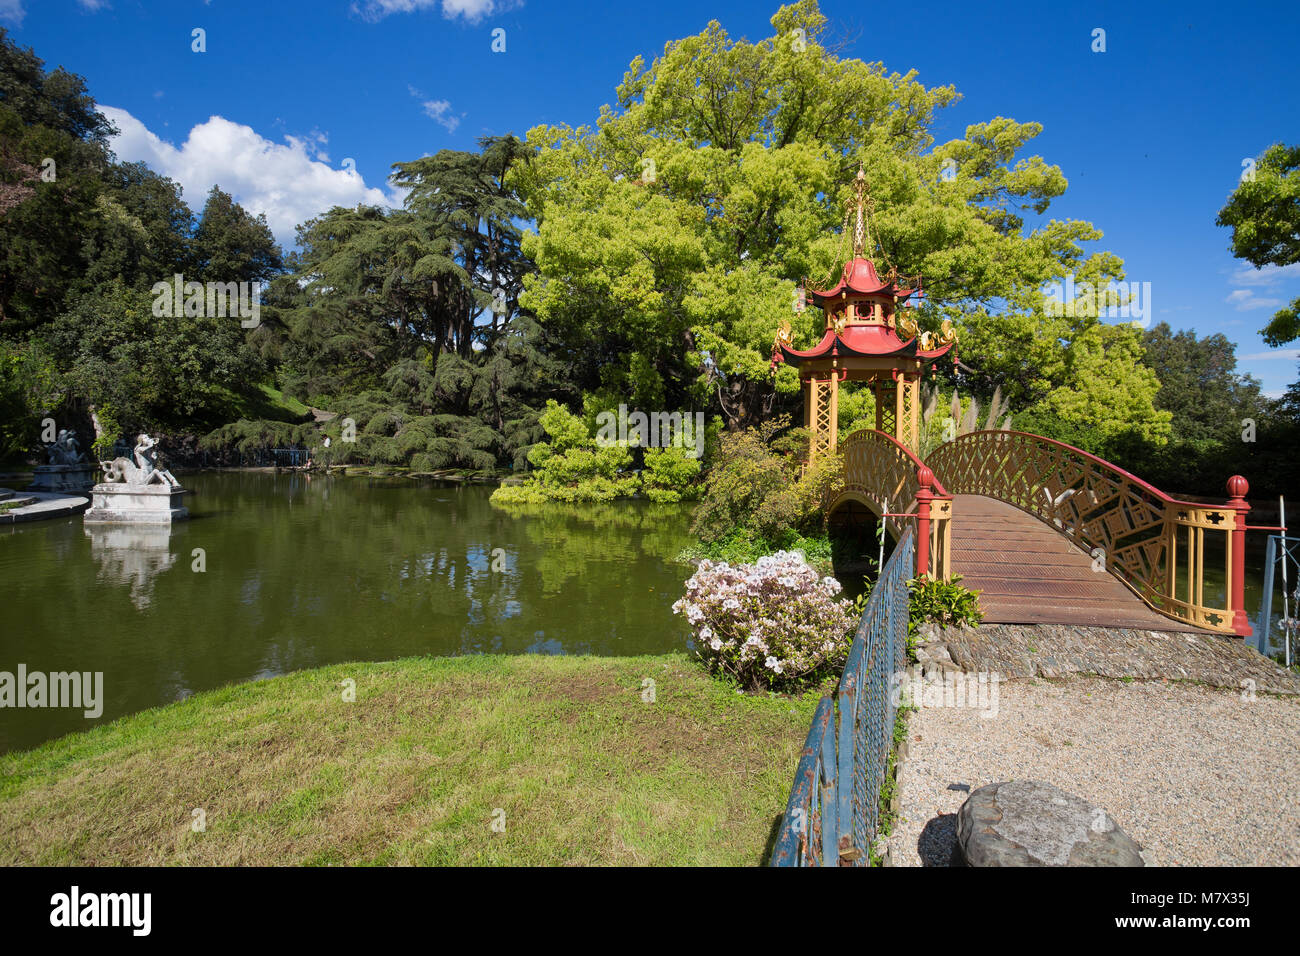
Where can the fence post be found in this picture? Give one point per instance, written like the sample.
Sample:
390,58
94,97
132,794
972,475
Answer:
1266,605
1237,489
925,477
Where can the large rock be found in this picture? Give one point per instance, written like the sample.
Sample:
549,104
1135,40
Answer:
1027,823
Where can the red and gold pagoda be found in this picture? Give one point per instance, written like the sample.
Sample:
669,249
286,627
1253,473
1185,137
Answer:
869,337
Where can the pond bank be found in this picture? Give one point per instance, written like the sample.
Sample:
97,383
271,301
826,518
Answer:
568,756
297,573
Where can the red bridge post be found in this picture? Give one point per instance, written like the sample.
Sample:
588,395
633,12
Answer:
1237,490
925,478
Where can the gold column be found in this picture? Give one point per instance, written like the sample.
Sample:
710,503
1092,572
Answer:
811,392
909,411
834,437
900,387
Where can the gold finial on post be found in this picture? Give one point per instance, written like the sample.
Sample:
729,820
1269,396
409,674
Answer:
860,228
862,200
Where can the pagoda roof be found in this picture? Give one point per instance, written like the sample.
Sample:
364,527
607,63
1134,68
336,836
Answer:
863,340
859,276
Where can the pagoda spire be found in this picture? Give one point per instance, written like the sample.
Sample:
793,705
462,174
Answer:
862,200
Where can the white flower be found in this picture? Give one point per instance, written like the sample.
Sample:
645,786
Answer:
706,633
753,639
773,664
716,644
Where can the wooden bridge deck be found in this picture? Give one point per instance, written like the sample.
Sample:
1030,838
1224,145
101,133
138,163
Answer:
1030,573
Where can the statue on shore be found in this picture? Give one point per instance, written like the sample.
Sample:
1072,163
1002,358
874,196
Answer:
64,450
143,470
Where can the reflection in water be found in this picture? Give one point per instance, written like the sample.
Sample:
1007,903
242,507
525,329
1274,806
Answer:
133,556
306,573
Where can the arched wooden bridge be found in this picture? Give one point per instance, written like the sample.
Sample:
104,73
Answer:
1051,534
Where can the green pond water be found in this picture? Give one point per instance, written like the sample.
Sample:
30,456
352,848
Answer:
302,572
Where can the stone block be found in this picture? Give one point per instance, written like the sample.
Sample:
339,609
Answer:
122,503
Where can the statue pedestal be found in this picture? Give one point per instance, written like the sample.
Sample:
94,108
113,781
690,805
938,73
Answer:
122,503
66,479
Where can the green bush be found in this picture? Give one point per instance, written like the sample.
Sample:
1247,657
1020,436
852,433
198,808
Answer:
671,474
573,467
944,603
29,389
930,600
757,487
744,546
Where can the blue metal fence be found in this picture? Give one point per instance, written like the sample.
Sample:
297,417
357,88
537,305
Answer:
832,815
290,457
1282,554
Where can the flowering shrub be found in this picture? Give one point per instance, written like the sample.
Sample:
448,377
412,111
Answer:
773,625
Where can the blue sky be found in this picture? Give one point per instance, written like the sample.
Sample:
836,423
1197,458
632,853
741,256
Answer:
1151,134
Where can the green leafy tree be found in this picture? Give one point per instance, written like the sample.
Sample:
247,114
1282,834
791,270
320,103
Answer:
53,152
672,234
408,321
232,245
571,466
29,389
156,373
1107,393
757,497
1200,385
1264,215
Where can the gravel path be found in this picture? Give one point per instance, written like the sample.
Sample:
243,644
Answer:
1197,775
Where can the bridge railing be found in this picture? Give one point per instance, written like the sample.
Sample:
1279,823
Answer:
1154,543
832,816
883,474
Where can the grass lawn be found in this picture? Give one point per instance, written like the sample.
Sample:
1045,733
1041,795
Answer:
288,772
278,399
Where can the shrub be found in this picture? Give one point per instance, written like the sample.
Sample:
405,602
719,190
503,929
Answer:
574,467
670,474
774,624
762,489
942,602
570,467
744,546
933,601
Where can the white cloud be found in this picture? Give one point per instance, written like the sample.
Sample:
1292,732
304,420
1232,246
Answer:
290,182
436,110
1289,354
93,6
12,10
471,11
1244,299
1268,276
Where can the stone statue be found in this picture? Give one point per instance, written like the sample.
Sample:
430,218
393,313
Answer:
143,470
64,450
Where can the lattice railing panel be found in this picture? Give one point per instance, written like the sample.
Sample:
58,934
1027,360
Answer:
879,470
1108,512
